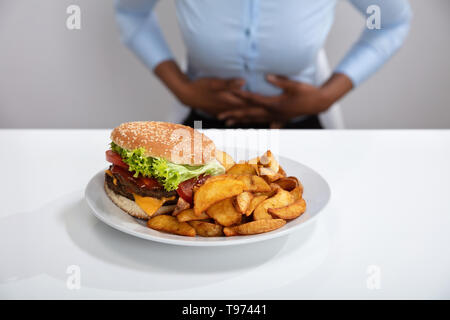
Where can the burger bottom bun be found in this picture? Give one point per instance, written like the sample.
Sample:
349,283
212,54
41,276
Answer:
131,207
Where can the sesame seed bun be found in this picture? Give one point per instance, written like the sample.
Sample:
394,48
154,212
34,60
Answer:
173,142
131,207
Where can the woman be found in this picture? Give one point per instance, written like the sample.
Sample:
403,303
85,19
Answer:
253,63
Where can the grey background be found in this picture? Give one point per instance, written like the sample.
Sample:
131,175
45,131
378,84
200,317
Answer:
56,78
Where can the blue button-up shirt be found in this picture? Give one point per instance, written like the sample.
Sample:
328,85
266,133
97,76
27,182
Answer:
251,38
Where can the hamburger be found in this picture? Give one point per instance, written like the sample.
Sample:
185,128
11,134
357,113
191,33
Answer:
156,165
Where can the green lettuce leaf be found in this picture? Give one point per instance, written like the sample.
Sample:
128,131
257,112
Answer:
169,174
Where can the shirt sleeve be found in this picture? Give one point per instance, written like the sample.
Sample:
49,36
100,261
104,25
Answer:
376,46
140,31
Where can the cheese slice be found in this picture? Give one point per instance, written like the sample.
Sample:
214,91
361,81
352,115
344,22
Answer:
150,205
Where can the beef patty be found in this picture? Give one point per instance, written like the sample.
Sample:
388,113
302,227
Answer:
127,188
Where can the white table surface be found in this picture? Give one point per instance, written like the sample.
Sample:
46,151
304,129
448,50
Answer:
390,208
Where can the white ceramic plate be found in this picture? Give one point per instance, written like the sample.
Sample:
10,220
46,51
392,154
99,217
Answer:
316,194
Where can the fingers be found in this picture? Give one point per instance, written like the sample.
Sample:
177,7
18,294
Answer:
243,113
235,84
276,125
265,101
226,84
230,114
233,121
282,82
248,115
231,100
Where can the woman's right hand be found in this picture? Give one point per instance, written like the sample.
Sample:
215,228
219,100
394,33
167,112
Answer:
211,95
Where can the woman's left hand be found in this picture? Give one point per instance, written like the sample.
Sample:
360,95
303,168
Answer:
297,99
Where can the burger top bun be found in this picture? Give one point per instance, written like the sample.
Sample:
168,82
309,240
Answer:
174,142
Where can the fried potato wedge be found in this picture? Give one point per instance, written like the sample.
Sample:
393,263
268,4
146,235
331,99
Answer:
268,161
254,183
287,183
292,211
255,166
297,192
247,180
189,215
207,229
221,177
260,185
230,231
170,224
300,185
269,174
281,199
224,213
242,201
254,161
214,191
225,159
242,168
181,206
275,187
267,194
282,172
259,226
256,200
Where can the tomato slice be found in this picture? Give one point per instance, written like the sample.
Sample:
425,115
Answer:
124,173
185,189
115,158
141,182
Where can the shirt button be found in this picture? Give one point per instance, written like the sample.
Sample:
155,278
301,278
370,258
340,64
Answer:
247,32
246,66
